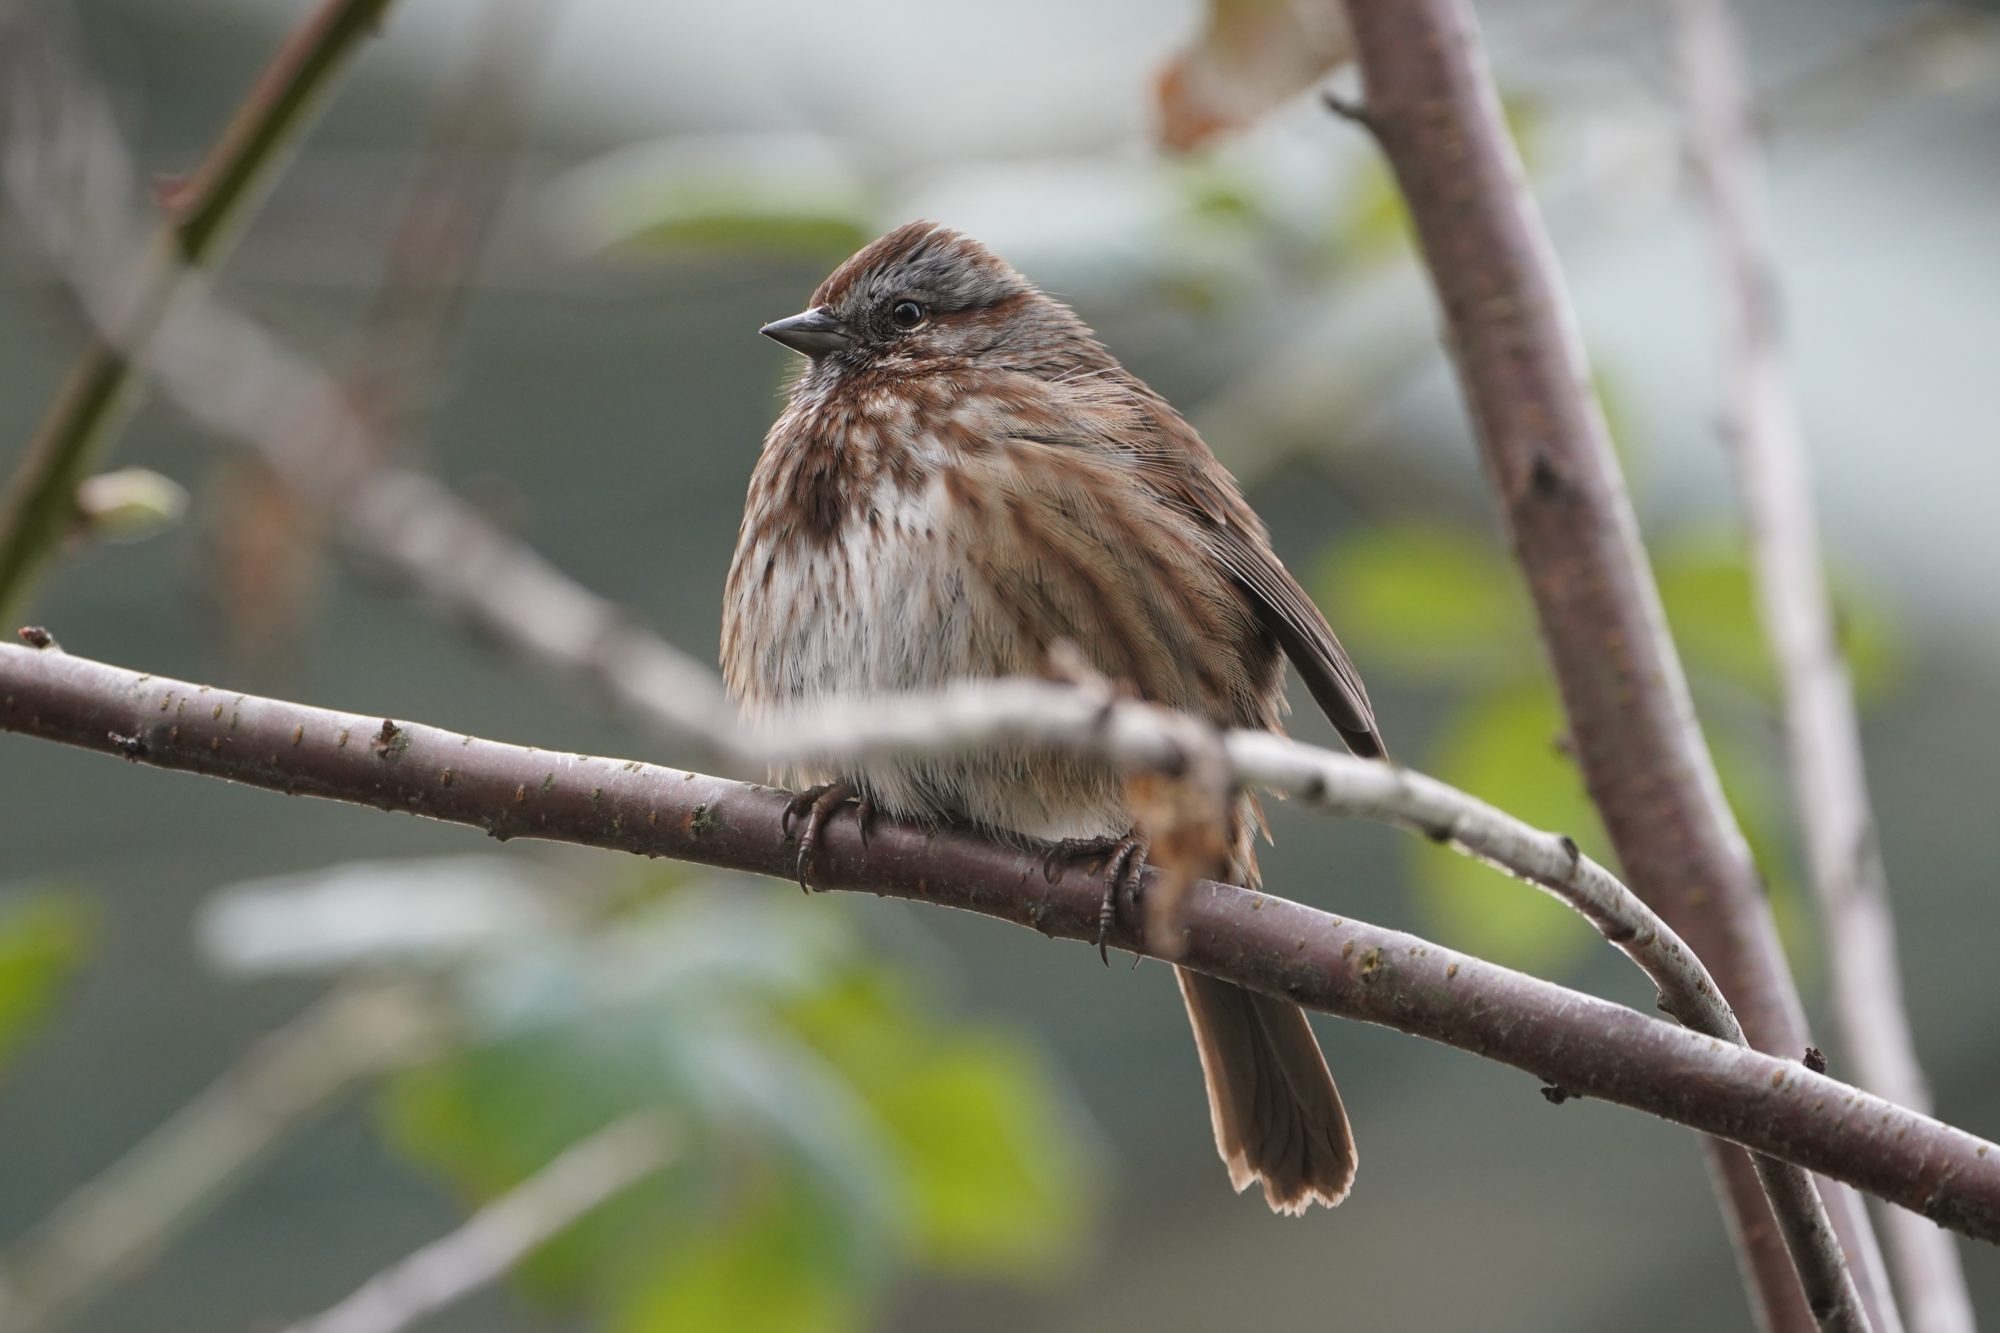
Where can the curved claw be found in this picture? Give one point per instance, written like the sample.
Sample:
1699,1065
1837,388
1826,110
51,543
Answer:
1126,865
801,803
1094,850
1122,860
817,805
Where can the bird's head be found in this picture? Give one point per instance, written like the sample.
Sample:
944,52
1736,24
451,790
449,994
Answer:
925,298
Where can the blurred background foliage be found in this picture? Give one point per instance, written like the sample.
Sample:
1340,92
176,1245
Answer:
835,1126
883,1116
44,938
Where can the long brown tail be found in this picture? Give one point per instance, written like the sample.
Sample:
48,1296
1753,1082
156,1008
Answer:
1277,1115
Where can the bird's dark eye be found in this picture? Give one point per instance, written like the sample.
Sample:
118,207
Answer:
906,314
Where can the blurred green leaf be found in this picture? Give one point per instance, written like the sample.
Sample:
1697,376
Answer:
768,195
1375,224
995,1179
761,1270
1502,748
43,938
489,1117
1754,784
1620,422
1711,607
730,227
822,1096
998,1183
1217,193
1868,635
1710,597
1429,600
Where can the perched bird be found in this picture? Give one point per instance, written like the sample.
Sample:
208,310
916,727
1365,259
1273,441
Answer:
964,478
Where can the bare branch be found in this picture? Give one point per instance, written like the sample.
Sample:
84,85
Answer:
498,1236
1822,732
1143,737
121,1220
266,390
227,373
1433,108
1586,1046
264,541
453,204
442,546
39,506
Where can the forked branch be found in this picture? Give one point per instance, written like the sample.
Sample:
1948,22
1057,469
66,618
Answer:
1583,1045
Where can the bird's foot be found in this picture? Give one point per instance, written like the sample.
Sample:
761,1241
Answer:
817,805
1121,860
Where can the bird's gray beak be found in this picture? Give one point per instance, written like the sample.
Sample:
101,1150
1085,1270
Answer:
815,332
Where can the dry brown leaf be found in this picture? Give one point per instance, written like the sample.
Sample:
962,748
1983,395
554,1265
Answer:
1251,55
1184,821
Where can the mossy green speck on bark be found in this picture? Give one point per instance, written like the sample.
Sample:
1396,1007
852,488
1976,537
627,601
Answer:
390,741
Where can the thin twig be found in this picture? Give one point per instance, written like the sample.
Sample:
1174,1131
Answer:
120,1221
452,206
1584,1045
583,1177
212,338
1521,366
1822,731
39,506
253,392
438,543
264,542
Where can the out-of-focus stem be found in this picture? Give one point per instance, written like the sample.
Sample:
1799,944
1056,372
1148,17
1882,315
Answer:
1432,105
118,1222
39,506
1822,731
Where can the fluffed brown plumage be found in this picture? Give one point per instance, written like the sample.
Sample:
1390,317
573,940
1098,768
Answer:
963,478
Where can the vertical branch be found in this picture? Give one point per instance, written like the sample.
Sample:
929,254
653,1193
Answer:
1521,367
39,505
1822,733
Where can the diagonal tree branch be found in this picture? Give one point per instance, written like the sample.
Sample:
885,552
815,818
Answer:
1146,738
442,546
428,537
1432,105
123,1218
1823,734
1580,1044
255,393
584,1176
39,505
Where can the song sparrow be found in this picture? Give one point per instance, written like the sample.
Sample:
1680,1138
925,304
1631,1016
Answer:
963,478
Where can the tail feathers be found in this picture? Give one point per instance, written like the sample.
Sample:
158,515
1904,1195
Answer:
1277,1115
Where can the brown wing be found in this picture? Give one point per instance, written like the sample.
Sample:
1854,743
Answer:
1283,608
1111,409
